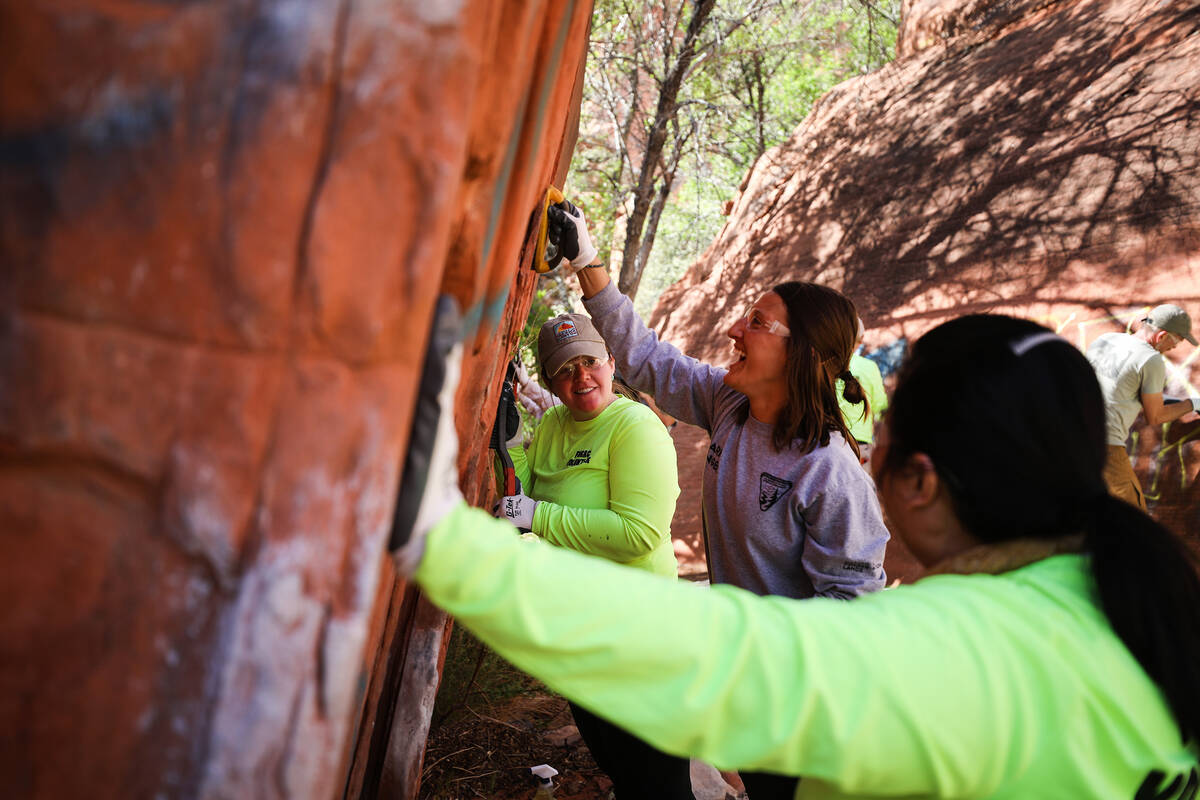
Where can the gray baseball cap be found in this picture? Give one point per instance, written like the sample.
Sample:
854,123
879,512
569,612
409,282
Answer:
1172,319
565,337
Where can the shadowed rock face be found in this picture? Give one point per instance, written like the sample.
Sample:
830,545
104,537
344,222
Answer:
222,230
1030,157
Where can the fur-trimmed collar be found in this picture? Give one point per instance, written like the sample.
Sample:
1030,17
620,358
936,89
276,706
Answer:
994,559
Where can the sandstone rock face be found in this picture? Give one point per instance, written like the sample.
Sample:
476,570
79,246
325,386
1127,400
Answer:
1036,157
222,230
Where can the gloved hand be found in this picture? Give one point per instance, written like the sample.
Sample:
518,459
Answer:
1195,404
441,493
429,484
569,229
508,434
517,509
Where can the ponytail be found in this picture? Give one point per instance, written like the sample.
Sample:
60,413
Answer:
1149,588
854,392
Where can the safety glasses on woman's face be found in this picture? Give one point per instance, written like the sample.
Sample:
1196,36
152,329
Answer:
756,321
568,370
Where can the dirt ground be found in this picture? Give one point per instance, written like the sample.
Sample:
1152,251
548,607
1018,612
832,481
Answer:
492,722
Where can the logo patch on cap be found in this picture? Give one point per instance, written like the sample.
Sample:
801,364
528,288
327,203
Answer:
565,331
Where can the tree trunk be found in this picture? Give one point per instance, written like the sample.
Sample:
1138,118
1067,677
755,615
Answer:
631,265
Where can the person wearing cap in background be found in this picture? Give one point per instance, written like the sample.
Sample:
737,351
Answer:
860,418
600,478
1132,375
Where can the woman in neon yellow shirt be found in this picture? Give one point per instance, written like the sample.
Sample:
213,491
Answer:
1052,650
600,478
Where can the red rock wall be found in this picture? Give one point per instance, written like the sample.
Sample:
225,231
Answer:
222,229
1037,157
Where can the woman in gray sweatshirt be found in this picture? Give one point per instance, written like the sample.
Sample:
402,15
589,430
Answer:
787,509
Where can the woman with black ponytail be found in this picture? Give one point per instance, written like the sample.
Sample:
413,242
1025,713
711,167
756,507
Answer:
1052,650
1031,485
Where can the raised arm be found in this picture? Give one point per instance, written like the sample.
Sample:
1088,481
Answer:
875,697
681,386
592,280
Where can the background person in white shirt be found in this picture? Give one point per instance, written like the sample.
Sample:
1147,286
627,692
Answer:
1132,376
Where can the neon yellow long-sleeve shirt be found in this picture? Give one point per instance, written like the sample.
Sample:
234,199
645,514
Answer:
1007,686
605,486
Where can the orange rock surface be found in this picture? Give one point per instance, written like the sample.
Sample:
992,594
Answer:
223,229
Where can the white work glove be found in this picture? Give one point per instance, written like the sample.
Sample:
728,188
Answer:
517,509
1195,404
438,464
573,239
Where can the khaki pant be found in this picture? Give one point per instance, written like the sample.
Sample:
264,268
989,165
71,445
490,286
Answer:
1120,477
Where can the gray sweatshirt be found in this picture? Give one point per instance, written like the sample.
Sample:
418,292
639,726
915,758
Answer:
785,523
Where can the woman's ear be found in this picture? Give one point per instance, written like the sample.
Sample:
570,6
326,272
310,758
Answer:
919,484
921,511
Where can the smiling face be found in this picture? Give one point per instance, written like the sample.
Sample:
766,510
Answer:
584,385
759,366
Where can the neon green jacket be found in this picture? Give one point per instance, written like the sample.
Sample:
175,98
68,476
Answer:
606,486
861,424
999,686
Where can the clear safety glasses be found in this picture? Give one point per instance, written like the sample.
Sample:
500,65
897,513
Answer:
757,321
569,369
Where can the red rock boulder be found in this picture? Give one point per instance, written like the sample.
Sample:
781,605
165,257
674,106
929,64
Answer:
1030,157
223,229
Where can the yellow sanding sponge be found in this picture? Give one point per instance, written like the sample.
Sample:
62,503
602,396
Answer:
553,195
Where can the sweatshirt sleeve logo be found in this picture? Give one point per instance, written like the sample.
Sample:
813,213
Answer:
770,489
